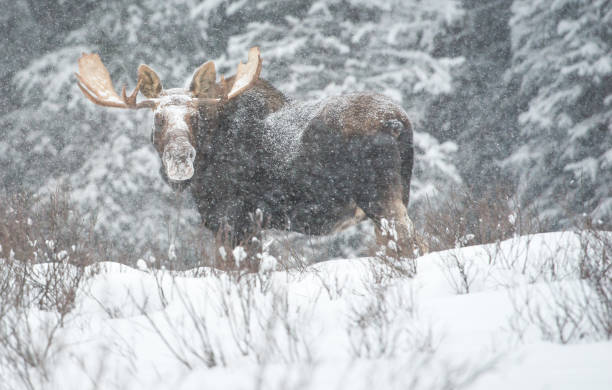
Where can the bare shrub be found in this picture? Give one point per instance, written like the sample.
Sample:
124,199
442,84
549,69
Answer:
286,330
464,219
236,283
263,319
385,327
386,323
44,246
458,272
290,255
230,314
186,346
567,311
37,301
554,310
595,269
334,286
198,247
48,229
243,257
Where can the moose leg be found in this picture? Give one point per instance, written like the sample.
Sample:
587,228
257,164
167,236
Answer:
399,228
237,230
394,229
378,190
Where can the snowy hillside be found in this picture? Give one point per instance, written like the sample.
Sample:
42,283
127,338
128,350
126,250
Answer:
531,312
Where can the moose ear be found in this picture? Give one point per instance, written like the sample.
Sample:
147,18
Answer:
203,83
150,84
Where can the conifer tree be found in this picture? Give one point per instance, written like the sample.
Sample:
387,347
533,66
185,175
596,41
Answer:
561,60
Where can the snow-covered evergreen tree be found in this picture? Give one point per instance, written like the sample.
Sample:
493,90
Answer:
479,114
105,154
561,58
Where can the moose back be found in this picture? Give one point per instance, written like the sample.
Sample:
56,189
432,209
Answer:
240,145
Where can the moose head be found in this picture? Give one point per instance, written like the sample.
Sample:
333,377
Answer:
175,109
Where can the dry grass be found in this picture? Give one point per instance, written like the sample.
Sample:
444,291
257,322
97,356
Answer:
44,247
48,230
464,219
572,305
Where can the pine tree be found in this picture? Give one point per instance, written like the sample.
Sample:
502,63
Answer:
480,113
562,62
57,136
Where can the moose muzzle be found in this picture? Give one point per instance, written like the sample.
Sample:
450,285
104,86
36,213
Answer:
178,160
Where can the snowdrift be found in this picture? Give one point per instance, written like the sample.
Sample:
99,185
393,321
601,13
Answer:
522,313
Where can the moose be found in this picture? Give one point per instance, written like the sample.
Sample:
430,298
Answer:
240,145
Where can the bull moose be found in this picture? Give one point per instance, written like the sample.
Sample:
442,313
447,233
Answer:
241,145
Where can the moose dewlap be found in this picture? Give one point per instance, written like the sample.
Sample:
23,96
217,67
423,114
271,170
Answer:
241,145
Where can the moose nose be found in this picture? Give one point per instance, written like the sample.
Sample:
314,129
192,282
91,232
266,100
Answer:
178,161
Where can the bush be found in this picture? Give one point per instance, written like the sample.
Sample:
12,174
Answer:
464,219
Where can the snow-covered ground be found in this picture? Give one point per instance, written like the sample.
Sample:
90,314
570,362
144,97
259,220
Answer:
481,317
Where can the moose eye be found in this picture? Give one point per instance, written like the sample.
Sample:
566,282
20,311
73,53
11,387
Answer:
159,121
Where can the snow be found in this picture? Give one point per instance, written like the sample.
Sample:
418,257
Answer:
284,128
172,252
336,324
239,255
141,265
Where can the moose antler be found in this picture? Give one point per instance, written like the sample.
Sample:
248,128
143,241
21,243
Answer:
95,83
247,74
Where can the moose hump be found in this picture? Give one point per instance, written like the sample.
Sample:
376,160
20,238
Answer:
355,114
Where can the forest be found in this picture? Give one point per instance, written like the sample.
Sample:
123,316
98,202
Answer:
511,101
